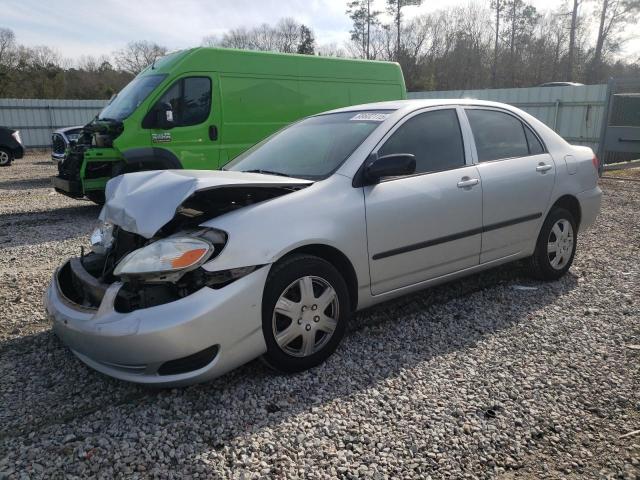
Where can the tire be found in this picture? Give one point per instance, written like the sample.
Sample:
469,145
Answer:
298,350
6,157
546,264
96,196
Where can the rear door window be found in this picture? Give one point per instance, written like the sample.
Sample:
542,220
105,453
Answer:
434,138
497,135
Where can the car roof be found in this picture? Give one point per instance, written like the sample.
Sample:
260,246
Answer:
416,104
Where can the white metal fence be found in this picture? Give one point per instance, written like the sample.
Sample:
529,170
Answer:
576,113
37,119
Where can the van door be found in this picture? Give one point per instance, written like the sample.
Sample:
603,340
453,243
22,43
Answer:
194,139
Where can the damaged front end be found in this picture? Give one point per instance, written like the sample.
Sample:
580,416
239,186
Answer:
166,264
91,161
85,280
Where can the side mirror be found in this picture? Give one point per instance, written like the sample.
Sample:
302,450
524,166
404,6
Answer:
392,165
164,116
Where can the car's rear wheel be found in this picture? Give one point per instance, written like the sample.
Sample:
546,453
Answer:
5,157
305,310
556,245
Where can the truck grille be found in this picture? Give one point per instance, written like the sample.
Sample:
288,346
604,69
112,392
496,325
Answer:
58,145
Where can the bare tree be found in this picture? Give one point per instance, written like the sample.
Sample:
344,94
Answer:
497,6
572,40
333,50
394,7
136,56
287,36
613,16
7,47
522,19
364,19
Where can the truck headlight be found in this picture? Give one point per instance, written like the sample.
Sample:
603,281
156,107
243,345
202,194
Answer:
165,256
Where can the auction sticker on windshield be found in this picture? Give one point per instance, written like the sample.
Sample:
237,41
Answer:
371,117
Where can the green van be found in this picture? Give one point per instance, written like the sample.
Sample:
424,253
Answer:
199,108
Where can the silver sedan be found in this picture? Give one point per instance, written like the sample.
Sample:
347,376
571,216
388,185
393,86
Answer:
194,273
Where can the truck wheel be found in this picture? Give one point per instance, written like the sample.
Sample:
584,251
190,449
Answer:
96,196
5,157
305,310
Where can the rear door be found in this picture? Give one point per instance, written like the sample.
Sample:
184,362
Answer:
194,139
428,224
517,181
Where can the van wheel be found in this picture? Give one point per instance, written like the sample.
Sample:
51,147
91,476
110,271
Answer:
556,246
5,157
96,196
305,310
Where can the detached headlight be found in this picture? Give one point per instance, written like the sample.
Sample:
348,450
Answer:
165,256
102,238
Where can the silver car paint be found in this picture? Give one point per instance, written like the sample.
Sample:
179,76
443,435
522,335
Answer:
118,344
332,213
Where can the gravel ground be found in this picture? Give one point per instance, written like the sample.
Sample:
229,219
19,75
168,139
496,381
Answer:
475,379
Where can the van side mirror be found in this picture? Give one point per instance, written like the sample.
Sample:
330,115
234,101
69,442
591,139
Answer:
393,165
164,116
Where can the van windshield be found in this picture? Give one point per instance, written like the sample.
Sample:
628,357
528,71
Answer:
312,148
130,97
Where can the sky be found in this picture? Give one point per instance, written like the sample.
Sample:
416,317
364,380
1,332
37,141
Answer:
92,27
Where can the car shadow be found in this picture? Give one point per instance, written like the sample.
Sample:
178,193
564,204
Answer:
26,183
429,324
32,228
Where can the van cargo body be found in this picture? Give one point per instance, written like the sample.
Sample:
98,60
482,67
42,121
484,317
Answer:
199,108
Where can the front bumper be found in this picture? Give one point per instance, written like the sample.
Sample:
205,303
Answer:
71,188
18,152
133,346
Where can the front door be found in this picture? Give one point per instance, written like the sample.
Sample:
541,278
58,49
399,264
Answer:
428,224
194,139
517,181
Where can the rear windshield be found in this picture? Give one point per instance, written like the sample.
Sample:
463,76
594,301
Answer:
130,97
312,148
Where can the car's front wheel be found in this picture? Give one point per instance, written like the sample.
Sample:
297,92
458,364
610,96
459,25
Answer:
305,309
556,245
5,157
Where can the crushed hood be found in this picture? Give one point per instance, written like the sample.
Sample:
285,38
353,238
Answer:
143,202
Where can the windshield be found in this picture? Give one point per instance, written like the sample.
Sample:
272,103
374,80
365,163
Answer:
312,148
123,104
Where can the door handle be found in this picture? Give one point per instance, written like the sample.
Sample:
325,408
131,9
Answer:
466,182
213,132
543,167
